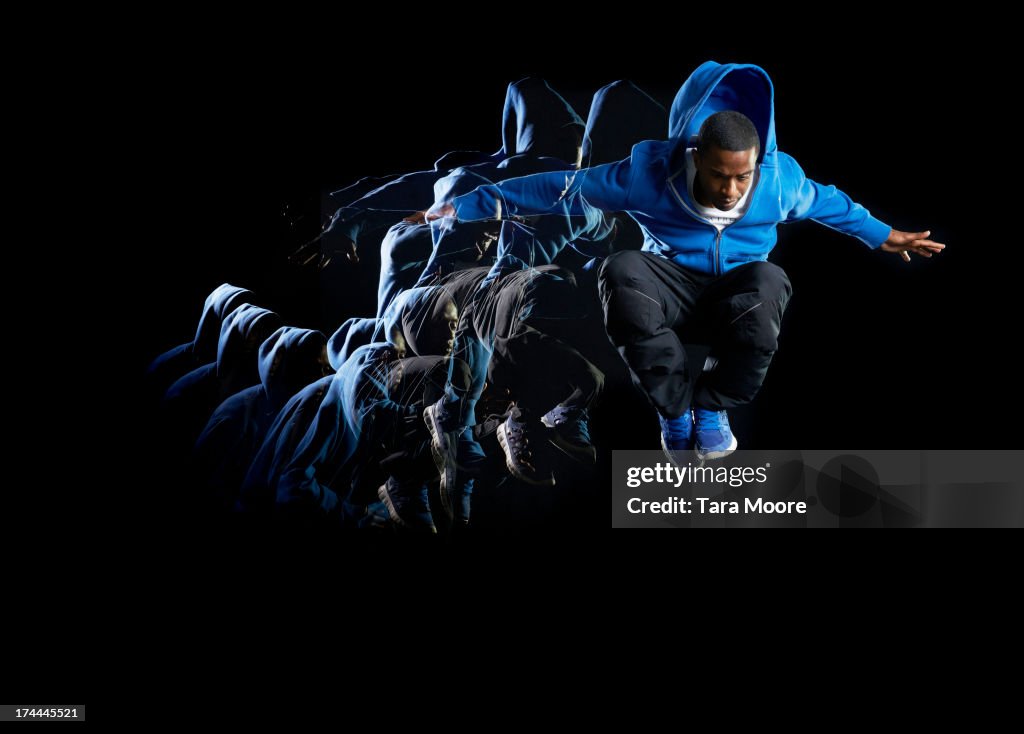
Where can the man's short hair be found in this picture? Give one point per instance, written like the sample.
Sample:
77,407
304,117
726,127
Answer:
728,130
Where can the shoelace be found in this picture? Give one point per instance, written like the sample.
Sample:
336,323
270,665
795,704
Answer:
561,415
711,419
517,440
582,431
676,428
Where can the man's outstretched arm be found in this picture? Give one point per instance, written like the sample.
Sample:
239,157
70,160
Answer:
566,193
831,207
803,198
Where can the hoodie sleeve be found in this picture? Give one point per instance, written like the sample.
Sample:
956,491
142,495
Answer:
829,206
381,207
298,485
604,187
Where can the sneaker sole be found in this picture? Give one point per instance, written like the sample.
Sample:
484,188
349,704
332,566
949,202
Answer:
712,455
382,493
669,453
513,470
574,452
446,471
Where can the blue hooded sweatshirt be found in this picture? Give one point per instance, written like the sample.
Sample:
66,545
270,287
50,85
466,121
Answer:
184,358
288,361
621,115
358,388
316,477
418,314
536,120
281,439
190,401
650,185
408,247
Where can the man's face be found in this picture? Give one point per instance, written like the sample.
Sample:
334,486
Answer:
723,176
323,363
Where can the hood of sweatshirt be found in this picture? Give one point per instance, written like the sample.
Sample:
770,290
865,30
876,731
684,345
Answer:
537,120
714,87
224,299
289,360
621,115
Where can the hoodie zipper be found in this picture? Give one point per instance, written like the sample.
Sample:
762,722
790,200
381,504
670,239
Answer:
718,232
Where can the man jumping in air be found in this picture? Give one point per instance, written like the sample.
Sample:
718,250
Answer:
708,201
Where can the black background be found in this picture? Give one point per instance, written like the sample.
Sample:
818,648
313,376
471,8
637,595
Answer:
875,353
227,119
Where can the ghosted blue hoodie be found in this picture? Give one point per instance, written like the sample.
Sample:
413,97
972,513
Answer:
190,401
357,393
621,115
536,120
318,429
417,314
288,361
283,436
650,185
184,358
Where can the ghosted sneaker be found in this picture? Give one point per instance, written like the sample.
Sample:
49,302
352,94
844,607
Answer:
408,505
571,432
676,435
443,448
468,455
518,458
714,437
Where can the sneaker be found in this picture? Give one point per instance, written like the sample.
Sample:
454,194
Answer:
714,437
571,432
407,509
676,435
518,459
443,448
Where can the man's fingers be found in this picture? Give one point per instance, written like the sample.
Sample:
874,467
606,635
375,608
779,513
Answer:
313,256
905,255
324,263
905,238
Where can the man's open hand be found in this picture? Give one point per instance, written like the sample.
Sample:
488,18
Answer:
907,242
